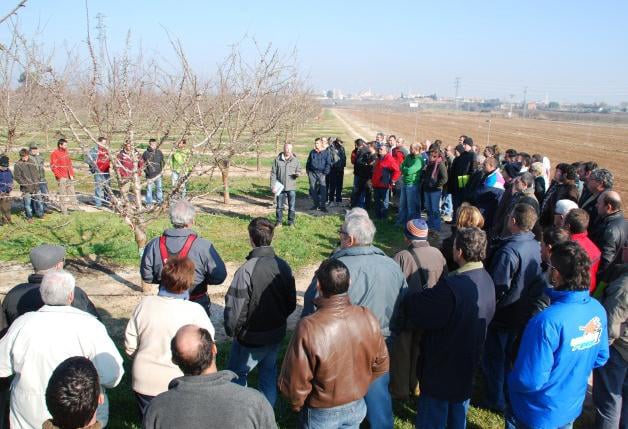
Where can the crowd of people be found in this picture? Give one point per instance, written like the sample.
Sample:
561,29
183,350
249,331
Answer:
29,172
530,291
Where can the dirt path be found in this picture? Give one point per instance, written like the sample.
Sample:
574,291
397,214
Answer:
356,128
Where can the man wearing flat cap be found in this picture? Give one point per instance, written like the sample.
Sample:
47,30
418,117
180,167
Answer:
25,297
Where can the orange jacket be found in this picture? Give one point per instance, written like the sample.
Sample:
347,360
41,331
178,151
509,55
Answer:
61,164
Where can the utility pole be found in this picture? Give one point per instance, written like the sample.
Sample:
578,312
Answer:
457,87
525,101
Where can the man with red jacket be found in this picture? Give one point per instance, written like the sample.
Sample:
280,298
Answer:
99,164
577,222
385,174
129,164
61,166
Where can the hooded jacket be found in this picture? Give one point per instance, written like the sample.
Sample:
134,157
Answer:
560,347
386,172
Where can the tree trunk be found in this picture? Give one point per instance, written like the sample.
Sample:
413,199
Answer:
224,171
139,233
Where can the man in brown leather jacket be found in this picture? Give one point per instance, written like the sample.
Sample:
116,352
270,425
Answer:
334,356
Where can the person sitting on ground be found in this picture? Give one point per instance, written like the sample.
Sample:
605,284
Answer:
40,340
423,266
454,316
205,398
73,395
153,323
559,348
182,241
258,303
334,356
26,297
577,222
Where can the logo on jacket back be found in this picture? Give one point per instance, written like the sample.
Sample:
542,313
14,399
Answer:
592,332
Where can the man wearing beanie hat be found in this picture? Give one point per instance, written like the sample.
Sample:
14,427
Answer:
6,186
25,297
423,266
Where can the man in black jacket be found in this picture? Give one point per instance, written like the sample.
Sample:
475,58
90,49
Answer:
460,172
25,297
261,297
153,167
455,315
27,175
609,231
366,158
317,167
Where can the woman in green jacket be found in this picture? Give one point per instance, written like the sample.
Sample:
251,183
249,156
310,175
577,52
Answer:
410,198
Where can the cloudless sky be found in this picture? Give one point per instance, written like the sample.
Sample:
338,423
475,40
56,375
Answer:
565,50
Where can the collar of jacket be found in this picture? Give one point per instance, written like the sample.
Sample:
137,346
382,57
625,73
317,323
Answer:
334,302
358,251
262,251
612,216
216,378
468,267
579,236
568,296
179,232
35,278
49,425
418,243
521,236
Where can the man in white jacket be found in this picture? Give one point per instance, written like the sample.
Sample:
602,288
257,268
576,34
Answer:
37,342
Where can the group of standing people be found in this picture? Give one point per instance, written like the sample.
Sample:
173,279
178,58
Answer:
29,171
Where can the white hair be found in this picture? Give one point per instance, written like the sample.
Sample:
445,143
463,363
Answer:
56,287
182,213
359,226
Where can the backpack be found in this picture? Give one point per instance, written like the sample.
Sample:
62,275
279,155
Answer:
334,155
183,253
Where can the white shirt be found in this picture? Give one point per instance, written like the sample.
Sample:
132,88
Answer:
37,342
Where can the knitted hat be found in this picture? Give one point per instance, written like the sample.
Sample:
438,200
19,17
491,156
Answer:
4,161
33,145
564,206
416,229
46,256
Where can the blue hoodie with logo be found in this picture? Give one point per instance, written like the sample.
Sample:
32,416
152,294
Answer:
560,347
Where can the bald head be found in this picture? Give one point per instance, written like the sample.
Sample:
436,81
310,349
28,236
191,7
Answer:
608,202
193,350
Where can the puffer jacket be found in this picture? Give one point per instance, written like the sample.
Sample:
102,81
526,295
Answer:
334,355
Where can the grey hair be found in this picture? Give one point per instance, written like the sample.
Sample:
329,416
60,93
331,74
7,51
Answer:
603,176
182,213
56,287
360,227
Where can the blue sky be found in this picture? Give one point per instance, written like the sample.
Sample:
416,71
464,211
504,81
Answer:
568,51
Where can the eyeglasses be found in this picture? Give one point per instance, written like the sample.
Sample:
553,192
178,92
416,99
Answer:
342,232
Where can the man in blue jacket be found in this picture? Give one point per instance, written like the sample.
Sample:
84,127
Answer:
515,265
317,168
454,315
560,347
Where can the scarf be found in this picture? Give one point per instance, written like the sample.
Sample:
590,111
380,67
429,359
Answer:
436,164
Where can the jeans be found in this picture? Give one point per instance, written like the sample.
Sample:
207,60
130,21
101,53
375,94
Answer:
336,179
610,392
432,202
448,207
432,413
318,188
382,200
151,184
347,416
101,180
175,179
408,204
281,198
511,422
32,204
43,193
379,404
496,353
361,196
243,359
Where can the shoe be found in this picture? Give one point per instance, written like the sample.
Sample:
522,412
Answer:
278,225
447,218
29,220
291,225
324,209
